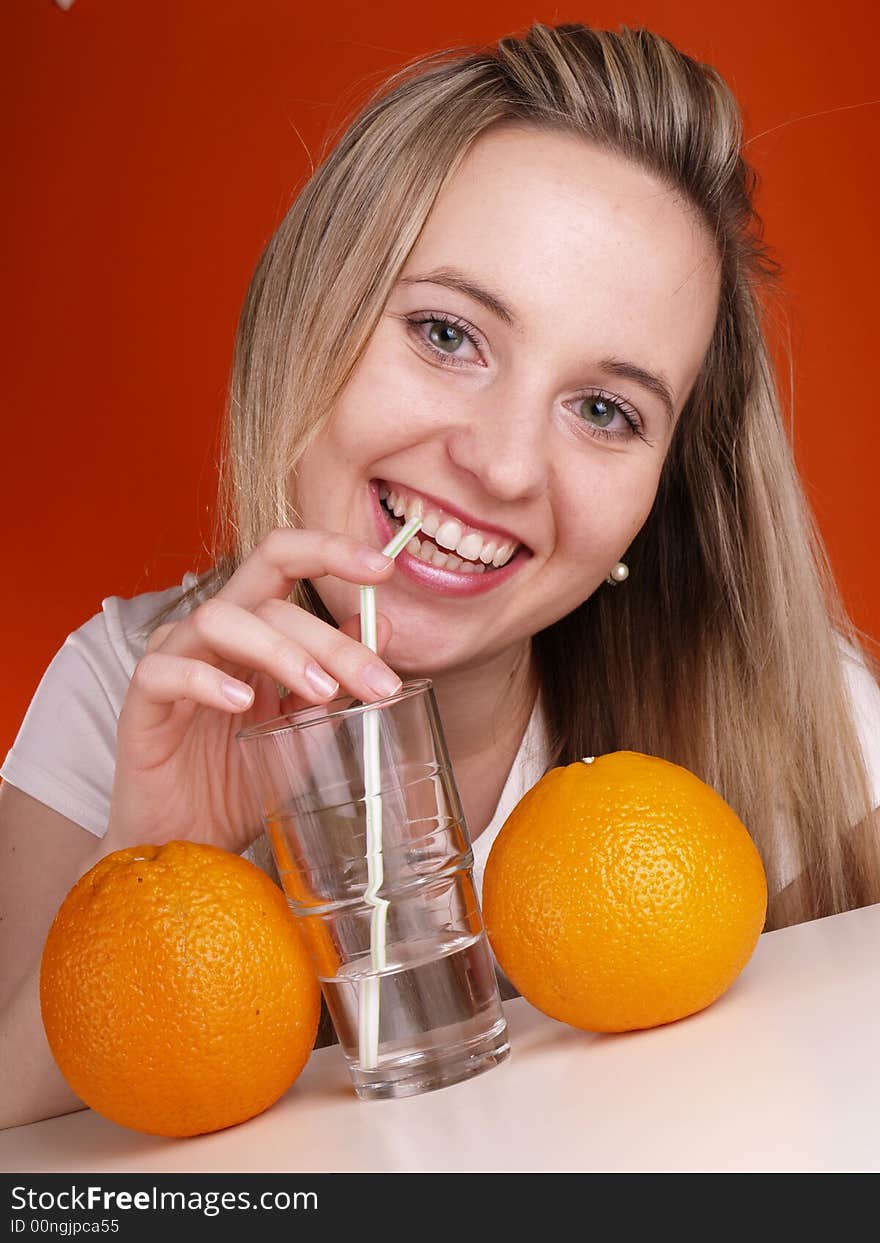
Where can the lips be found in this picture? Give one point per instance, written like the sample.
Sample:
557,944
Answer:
447,510
441,581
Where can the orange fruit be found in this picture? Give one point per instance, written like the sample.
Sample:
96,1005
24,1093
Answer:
623,893
176,990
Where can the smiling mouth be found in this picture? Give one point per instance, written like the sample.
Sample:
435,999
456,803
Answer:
444,541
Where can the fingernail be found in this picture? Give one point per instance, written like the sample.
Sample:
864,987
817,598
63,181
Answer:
236,692
374,560
380,679
322,682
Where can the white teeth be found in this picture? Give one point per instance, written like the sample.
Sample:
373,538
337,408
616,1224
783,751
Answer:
446,561
430,553
431,522
450,534
487,552
472,550
470,546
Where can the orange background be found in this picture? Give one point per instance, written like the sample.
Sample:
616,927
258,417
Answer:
151,146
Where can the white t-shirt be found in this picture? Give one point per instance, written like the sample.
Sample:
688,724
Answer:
64,754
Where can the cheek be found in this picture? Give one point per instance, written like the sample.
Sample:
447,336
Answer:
381,374
392,386
301,488
607,509
370,404
638,516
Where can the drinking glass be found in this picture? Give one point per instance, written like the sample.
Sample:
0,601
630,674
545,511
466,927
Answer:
367,831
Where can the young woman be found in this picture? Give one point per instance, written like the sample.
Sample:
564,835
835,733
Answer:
521,293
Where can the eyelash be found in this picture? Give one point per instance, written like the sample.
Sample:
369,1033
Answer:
602,433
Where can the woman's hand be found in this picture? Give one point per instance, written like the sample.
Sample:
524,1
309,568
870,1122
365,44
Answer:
179,774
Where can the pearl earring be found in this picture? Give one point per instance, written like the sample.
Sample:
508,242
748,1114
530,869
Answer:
619,574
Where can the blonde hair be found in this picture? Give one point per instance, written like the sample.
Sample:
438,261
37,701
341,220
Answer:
722,650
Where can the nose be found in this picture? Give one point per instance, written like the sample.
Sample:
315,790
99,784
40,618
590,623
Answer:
504,445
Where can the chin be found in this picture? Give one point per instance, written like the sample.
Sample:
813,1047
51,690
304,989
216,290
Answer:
417,657
341,600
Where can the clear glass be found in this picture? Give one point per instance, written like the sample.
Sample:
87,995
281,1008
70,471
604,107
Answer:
440,1018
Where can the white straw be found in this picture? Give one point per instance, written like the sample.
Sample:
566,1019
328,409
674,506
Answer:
368,1011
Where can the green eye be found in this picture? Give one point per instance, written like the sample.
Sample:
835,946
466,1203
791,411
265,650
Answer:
597,411
445,336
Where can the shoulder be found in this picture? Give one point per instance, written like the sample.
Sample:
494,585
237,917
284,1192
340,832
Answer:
864,696
64,752
100,655
860,679
114,640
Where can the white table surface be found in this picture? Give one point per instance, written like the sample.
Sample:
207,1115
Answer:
779,1074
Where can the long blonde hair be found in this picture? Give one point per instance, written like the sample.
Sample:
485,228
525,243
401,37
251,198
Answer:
721,651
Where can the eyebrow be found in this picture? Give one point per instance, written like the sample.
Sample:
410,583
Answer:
654,382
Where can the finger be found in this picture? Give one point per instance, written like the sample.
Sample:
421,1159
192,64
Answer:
161,680
352,627
288,554
292,646
339,652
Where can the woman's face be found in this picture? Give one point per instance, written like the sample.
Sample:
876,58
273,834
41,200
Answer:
535,414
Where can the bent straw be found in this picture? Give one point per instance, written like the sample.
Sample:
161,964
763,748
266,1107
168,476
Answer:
368,1011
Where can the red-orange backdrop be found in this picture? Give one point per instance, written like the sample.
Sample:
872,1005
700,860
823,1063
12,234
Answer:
152,146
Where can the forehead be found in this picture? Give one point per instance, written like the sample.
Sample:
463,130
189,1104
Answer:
583,236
